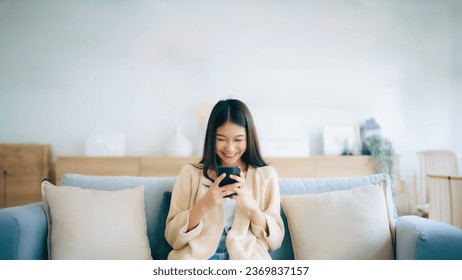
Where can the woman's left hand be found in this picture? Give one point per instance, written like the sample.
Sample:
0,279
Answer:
243,193
246,199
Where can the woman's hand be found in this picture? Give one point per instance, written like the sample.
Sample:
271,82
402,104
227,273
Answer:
243,194
213,197
245,197
215,193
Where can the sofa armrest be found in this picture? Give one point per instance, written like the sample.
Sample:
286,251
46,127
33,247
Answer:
423,239
23,232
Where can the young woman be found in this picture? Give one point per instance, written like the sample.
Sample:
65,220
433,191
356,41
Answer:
202,222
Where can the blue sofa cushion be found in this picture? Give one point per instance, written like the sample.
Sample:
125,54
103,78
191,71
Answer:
285,252
162,247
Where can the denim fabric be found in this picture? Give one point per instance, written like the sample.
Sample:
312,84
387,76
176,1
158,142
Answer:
221,253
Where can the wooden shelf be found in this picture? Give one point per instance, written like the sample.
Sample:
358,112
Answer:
309,167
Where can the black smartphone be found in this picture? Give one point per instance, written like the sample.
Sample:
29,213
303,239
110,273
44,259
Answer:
235,170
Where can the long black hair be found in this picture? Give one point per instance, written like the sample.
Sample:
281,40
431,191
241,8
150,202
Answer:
237,112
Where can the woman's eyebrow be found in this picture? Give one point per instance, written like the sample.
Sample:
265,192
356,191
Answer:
237,136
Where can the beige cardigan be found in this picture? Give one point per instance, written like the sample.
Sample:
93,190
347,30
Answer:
245,240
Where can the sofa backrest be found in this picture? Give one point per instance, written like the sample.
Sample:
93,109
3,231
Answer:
157,199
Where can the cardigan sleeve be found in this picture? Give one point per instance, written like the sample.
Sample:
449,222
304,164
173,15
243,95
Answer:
178,216
271,206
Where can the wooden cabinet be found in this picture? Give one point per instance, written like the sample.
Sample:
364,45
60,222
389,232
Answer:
23,167
323,166
310,167
122,166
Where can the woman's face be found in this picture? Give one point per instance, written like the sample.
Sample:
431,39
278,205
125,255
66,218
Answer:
231,143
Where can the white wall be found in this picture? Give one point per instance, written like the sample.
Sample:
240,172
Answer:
72,69
457,89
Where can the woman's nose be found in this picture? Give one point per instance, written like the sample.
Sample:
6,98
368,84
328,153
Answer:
229,147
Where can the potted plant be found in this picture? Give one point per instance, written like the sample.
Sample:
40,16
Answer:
383,153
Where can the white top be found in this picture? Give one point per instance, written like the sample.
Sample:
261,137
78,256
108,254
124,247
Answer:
230,209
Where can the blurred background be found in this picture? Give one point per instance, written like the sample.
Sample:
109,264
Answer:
134,73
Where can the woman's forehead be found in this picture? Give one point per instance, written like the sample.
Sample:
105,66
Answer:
230,129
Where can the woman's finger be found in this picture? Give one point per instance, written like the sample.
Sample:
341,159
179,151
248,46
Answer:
218,180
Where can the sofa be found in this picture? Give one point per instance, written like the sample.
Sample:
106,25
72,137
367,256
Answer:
24,229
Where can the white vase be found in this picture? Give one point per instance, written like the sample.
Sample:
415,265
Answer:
178,144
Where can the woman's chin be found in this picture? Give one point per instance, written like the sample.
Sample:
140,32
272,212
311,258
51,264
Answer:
229,161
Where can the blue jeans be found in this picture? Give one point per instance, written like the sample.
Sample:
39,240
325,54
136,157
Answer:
221,253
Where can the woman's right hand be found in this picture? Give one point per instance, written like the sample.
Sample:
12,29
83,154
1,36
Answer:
215,194
213,197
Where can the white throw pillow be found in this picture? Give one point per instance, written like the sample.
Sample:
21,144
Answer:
339,225
94,224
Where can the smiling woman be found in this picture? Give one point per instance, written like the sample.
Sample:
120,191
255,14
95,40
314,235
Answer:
239,220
